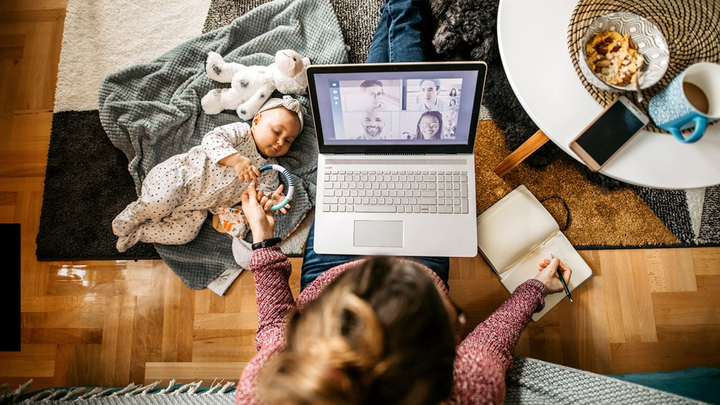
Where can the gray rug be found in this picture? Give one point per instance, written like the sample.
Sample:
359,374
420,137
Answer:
529,381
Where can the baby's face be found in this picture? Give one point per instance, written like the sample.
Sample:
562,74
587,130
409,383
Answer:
275,130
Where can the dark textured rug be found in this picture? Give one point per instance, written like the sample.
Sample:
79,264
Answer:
87,182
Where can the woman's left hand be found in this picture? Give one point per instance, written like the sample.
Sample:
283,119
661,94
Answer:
275,198
260,221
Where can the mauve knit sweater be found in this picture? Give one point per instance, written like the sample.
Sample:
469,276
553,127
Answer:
482,358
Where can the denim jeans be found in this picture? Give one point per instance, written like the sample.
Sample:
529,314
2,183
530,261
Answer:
401,35
315,264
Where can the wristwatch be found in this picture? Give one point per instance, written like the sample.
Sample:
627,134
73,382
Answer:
265,243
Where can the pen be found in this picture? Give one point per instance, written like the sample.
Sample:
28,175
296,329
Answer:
562,280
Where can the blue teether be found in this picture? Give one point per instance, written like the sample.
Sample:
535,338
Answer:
289,181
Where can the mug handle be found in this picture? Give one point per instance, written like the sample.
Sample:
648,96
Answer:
700,126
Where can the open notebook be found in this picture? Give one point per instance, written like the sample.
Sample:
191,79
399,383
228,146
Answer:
516,234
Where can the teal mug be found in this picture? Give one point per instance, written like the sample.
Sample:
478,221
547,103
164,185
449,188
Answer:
692,99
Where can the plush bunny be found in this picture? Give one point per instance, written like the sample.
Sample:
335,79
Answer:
250,86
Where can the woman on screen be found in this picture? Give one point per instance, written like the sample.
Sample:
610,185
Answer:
429,125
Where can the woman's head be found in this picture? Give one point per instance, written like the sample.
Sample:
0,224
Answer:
429,125
379,334
453,92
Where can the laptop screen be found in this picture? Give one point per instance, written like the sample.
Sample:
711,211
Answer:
413,107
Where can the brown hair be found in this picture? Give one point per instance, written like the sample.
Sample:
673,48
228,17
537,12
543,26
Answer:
379,334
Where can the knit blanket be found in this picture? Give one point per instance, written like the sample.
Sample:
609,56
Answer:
152,111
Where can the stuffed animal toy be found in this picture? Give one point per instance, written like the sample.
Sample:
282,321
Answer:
251,86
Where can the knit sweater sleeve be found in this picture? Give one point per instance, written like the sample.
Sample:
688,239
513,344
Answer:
271,270
485,355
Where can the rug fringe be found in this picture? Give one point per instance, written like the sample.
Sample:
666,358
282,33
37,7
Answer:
75,394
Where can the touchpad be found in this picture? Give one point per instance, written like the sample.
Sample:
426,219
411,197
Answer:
378,234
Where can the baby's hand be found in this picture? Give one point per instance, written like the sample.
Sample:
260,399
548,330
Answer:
246,171
275,198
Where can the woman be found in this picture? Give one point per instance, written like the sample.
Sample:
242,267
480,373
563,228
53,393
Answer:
453,92
375,331
429,125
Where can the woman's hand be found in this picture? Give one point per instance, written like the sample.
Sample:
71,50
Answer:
548,274
261,222
275,198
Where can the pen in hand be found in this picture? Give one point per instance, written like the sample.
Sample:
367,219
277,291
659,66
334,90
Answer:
562,280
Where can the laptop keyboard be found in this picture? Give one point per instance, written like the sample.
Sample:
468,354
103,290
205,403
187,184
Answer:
410,192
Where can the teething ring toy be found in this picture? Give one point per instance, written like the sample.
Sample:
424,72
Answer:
288,180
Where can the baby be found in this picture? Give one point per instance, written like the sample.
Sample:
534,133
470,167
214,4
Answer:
178,193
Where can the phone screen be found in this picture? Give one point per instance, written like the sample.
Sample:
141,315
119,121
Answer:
610,132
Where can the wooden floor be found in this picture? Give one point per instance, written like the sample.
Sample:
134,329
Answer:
111,323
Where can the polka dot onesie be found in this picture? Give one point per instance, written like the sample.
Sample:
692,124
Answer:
178,193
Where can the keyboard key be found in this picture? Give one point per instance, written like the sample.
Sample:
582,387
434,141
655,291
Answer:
374,208
330,200
328,193
456,209
326,208
428,193
444,209
427,201
464,206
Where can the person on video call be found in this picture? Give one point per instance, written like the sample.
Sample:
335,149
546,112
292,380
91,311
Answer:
372,95
429,101
429,126
372,124
377,330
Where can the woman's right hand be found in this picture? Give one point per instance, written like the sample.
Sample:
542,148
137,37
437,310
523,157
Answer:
260,221
548,274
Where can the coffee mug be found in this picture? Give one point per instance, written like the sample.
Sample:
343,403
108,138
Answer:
691,99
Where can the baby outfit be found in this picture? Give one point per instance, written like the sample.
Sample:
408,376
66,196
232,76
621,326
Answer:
178,193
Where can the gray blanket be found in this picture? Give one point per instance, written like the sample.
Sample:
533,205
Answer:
152,111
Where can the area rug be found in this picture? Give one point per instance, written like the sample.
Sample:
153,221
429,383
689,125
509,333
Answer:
528,381
87,182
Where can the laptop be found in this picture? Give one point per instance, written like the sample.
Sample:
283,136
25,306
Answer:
396,172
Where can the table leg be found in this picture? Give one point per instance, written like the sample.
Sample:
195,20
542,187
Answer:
526,149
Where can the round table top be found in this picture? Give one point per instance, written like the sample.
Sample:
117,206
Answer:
532,36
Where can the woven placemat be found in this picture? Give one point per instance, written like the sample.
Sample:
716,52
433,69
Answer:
690,28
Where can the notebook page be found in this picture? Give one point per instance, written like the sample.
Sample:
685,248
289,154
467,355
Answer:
513,227
561,248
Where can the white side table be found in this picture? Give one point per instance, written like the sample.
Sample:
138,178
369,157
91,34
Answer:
532,36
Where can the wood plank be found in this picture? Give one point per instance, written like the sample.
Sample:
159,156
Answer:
226,321
643,357
706,261
686,308
32,5
211,346
190,372
627,297
670,270
117,341
66,304
70,320
177,325
62,336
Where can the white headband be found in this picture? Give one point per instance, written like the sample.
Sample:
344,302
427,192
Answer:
287,102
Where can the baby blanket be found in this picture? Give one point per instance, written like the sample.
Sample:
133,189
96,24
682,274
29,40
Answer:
152,111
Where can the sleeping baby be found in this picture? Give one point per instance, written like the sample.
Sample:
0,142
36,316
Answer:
178,193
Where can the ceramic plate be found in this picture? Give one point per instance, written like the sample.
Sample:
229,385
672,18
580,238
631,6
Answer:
650,41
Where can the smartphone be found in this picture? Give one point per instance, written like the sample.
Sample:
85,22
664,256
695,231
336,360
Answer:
608,133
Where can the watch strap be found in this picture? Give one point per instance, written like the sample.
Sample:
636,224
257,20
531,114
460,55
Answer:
266,243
